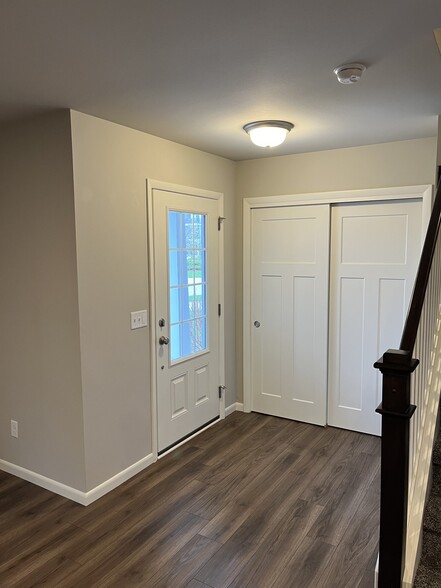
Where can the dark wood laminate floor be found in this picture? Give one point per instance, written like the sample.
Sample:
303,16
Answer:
253,502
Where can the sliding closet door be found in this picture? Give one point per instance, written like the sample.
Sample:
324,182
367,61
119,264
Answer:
289,311
375,250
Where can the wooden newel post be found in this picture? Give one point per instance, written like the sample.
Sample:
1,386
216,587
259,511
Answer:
396,412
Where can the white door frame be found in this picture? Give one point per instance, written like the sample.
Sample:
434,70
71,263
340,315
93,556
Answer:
159,185
422,192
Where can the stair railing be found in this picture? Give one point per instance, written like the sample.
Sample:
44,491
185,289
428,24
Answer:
407,442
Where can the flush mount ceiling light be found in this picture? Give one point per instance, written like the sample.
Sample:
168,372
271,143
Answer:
268,133
350,73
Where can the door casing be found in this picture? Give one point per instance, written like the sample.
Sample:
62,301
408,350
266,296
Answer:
200,193
422,192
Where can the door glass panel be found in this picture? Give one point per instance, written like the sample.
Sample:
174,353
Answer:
199,334
199,232
190,268
174,220
175,306
175,341
187,229
187,283
200,298
187,297
174,267
199,265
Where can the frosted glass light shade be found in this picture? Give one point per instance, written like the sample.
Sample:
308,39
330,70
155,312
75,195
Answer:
268,133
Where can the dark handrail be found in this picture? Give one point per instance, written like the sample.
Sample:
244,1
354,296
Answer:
413,317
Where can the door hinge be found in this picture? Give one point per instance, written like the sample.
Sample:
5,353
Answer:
219,310
220,220
221,388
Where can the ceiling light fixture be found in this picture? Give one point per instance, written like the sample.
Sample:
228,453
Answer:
350,73
268,133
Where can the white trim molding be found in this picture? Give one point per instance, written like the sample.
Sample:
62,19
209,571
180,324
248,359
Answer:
233,407
84,498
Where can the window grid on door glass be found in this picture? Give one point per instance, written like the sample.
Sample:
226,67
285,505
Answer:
187,283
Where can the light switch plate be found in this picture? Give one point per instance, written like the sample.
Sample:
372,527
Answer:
138,319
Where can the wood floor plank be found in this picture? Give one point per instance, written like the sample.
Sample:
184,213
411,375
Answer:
241,486
305,566
38,561
144,556
22,513
225,564
341,507
342,455
367,580
145,521
196,584
17,491
126,507
242,477
8,484
41,534
185,564
255,499
290,476
231,437
58,576
358,544
249,452
276,550
36,522
252,502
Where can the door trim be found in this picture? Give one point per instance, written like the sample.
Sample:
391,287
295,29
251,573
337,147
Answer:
200,193
423,192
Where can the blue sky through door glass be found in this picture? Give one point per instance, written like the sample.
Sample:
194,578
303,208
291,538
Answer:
187,283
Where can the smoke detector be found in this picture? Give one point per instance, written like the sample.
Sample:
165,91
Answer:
349,73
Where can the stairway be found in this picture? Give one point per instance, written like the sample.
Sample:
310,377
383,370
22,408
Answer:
429,571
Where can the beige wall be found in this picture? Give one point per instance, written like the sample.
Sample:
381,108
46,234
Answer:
438,158
402,163
111,165
73,261
40,379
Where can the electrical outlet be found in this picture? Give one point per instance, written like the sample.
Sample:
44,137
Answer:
14,428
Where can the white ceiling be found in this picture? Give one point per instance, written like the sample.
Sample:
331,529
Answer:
195,71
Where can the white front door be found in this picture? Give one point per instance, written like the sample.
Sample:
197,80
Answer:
289,311
186,269
375,250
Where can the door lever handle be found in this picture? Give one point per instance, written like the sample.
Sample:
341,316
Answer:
164,340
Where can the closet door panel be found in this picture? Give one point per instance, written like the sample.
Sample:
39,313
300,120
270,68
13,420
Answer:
374,255
290,263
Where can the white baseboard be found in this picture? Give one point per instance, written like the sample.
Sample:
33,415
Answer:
233,407
84,498
43,481
118,479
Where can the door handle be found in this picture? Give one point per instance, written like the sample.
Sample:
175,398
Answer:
164,340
